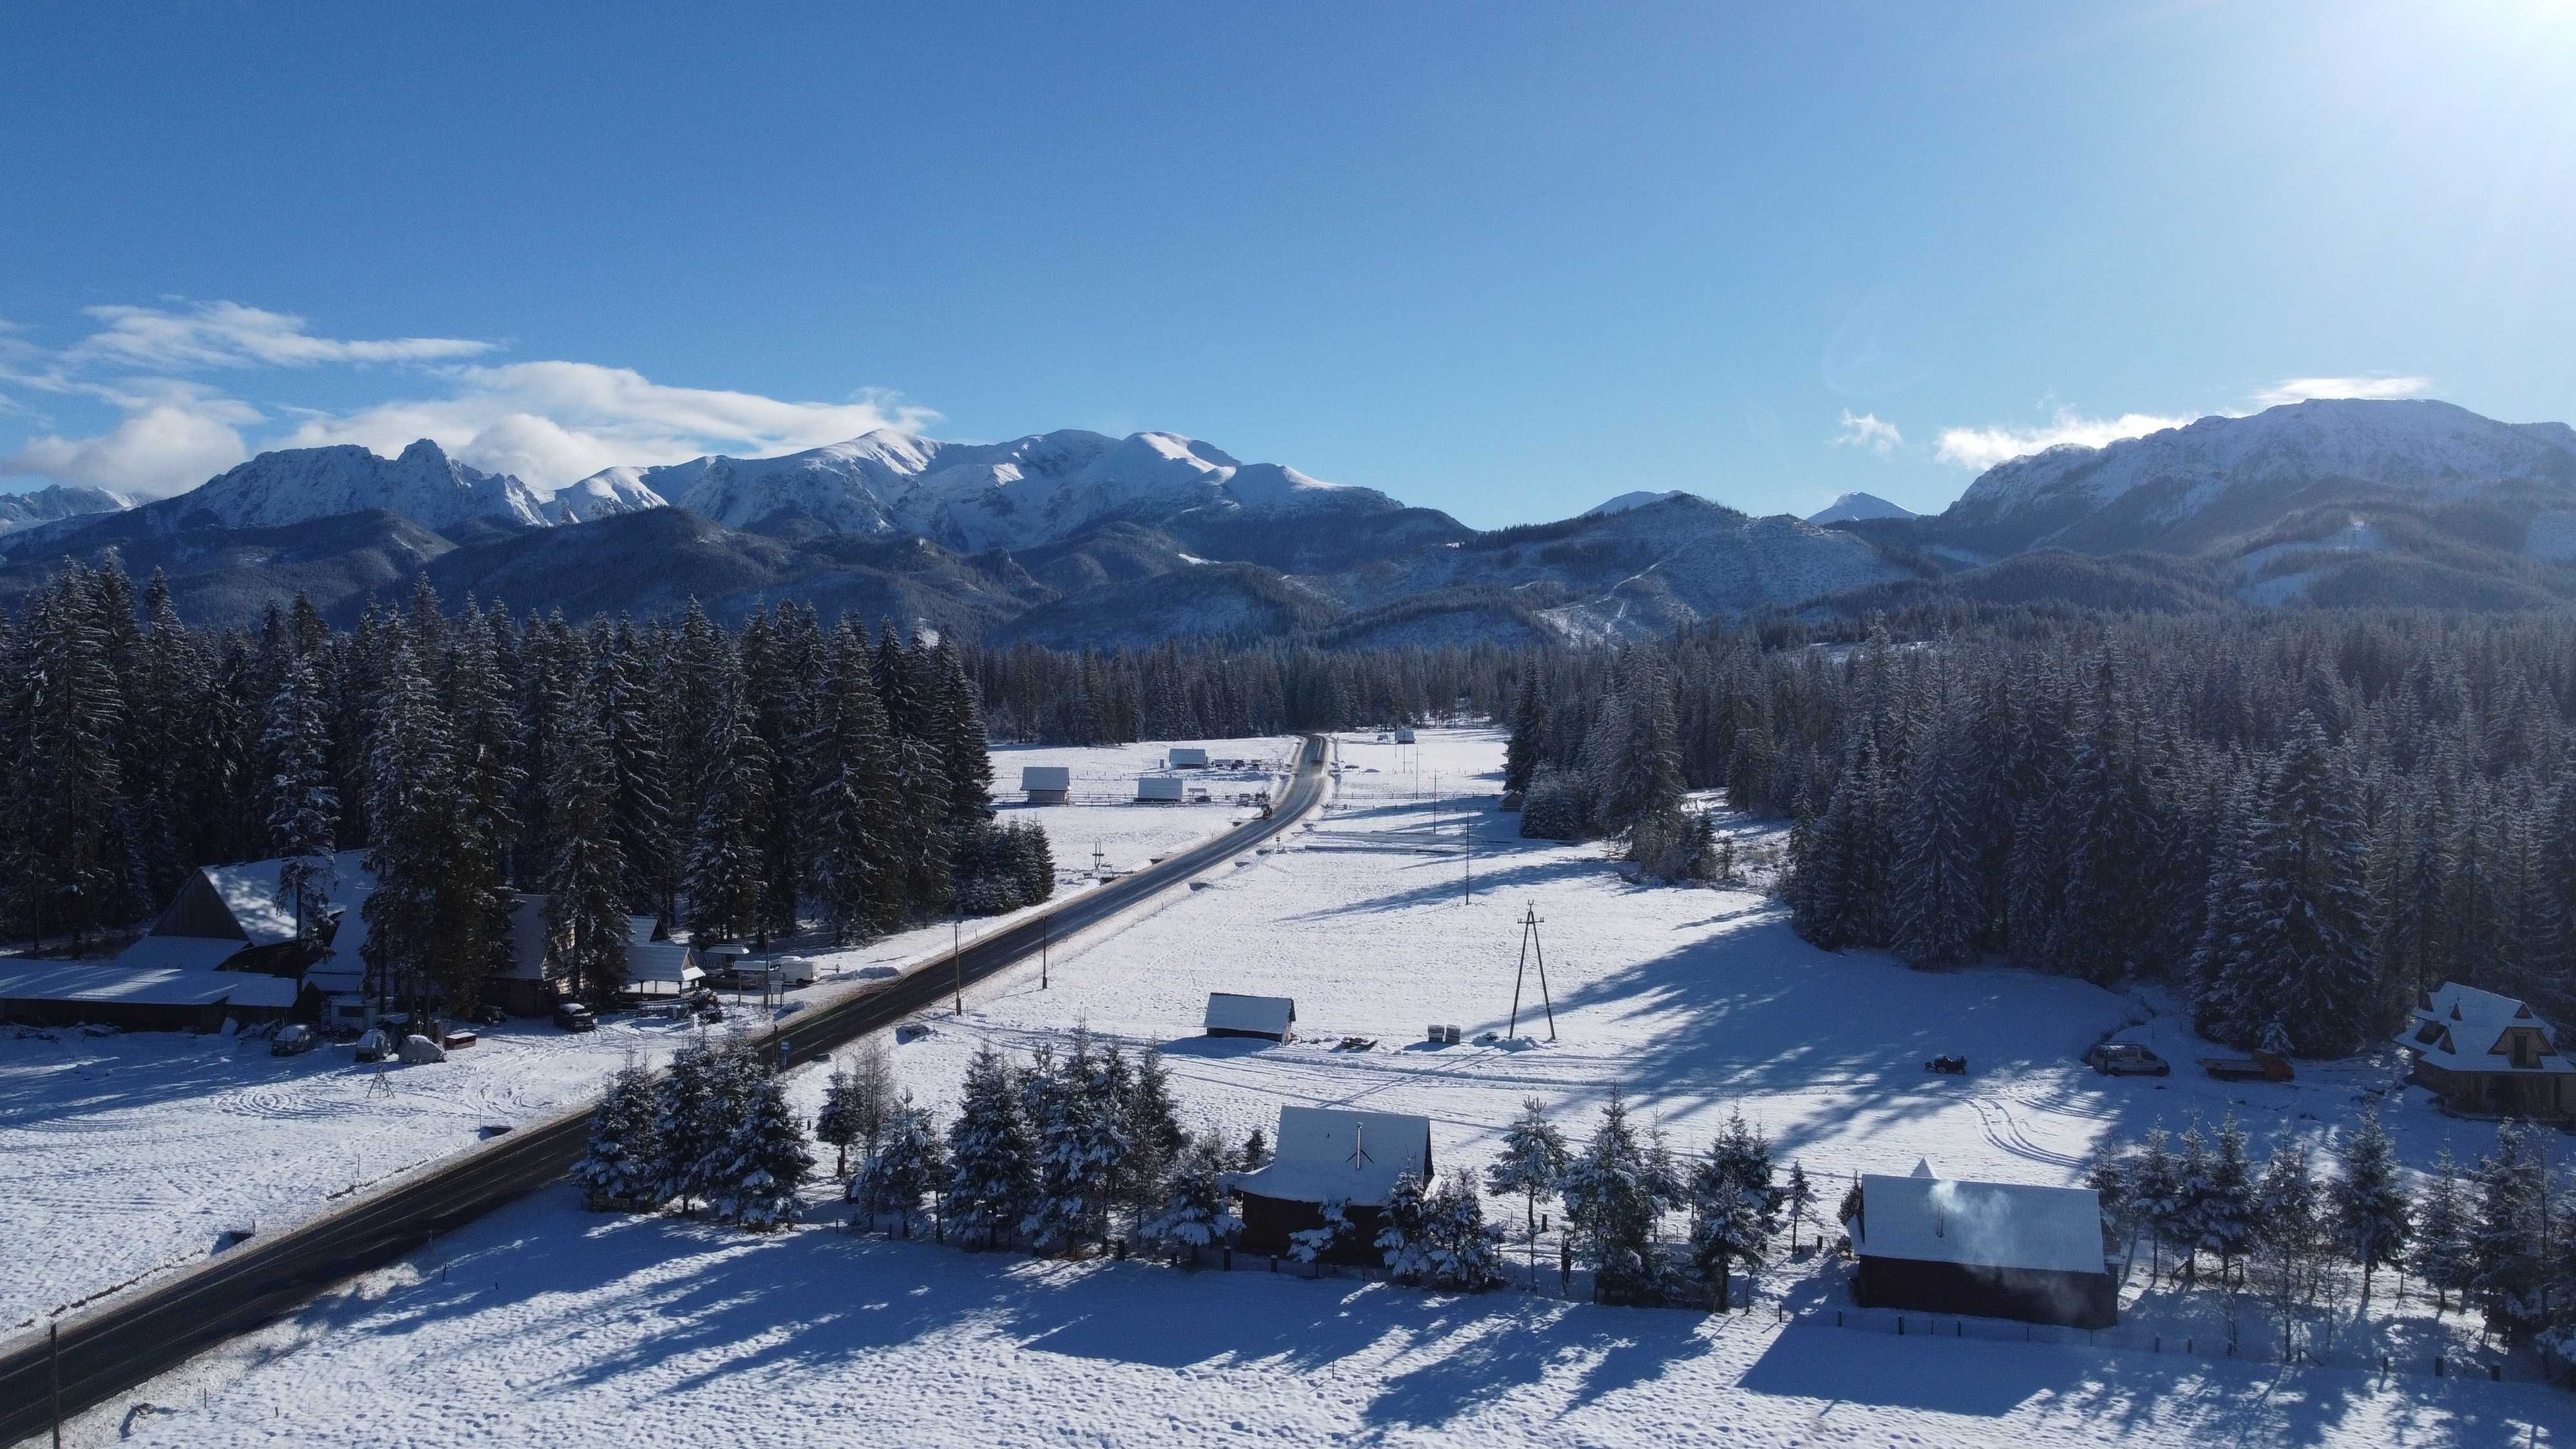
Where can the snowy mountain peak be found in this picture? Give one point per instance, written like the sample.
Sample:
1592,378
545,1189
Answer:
422,483
1853,506
1626,501
56,501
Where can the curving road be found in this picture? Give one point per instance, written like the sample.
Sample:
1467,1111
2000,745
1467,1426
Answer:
118,1345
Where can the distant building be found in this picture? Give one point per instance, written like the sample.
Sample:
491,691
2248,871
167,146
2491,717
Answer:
1404,737
656,965
154,989
1273,1018
1185,757
1158,789
532,984
2490,1055
1046,784
1326,1155
1988,1249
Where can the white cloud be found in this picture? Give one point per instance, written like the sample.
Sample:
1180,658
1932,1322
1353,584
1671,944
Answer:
1866,431
553,422
228,334
1983,448
159,449
2300,389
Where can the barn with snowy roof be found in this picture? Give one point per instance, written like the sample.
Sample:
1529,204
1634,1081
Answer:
1326,1154
1988,1249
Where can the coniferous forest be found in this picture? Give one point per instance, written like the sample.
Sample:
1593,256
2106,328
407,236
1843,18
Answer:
2299,819
736,782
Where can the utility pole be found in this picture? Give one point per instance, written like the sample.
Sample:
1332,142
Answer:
1470,833
1043,923
54,1356
956,963
1530,922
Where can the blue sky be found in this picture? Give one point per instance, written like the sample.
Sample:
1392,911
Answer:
1502,260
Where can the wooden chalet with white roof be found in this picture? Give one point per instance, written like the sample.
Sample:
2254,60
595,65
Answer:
1988,1249
1328,1155
2489,1055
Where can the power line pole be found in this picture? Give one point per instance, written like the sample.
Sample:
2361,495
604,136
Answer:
956,963
1530,922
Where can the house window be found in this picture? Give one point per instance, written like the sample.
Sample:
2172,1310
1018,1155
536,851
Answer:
2523,1055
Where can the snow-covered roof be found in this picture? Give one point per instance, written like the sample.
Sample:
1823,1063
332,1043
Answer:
1979,1224
2468,1030
1269,1015
114,982
1185,755
182,953
1158,787
663,962
1045,777
1326,1154
249,891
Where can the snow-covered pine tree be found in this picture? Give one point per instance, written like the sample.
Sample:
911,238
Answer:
2110,1174
1529,735
2369,1212
855,806
2290,1241
1256,1151
1333,1235
303,809
1197,1213
2303,953
1798,1201
2226,1210
836,1122
726,877
1734,1206
1080,1141
632,726
1155,1141
618,1170
1611,1209
408,769
909,1164
1404,1234
2508,1233
1938,916
471,939
586,920
992,1156
769,1159
2155,1185
1531,1166
683,1119
2443,1255
1466,1251
965,760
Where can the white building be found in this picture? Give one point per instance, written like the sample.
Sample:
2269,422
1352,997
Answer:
1159,789
1271,1017
1046,784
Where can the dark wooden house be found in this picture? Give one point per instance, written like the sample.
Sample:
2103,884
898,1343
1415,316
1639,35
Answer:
2489,1055
1328,1155
1983,1249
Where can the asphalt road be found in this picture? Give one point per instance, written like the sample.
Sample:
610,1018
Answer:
118,1345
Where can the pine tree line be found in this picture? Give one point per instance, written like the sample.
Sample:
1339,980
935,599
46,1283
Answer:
2496,1234
2301,820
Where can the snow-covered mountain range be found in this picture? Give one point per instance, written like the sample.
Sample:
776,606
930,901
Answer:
978,496
2190,485
1075,537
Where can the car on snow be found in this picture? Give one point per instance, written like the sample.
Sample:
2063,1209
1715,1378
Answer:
573,1016
2126,1059
293,1041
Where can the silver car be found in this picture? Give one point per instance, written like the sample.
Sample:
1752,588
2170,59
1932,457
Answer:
2126,1059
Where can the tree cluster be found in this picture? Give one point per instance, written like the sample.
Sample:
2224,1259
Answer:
2302,820
713,1132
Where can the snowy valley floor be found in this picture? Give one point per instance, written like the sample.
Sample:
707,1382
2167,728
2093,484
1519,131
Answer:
127,1157
546,1323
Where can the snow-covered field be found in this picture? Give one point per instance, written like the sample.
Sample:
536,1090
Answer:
130,1156
544,1322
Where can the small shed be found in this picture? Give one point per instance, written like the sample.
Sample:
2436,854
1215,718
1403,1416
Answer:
657,965
1989,1249
1273,1018
1329,1155
1159,789
1046,784
1404,737
1185,757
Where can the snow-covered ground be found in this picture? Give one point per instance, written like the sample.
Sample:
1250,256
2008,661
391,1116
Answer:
543,1322
129,1156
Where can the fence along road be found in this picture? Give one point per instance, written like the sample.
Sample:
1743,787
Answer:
110,1349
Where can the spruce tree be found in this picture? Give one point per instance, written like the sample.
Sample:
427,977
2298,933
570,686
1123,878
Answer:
2509,1229
1531,1166
992,1156
908,1165
303,808
586,883
1196,1213
2443,1255
617,1171
1611,1208
727,879
684,1116
1404,1241
2370,1215
1080,1143
768,1158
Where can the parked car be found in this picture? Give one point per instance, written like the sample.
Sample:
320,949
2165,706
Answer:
490,1015
2126,1059
573,1016
294,1041
374,1046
